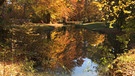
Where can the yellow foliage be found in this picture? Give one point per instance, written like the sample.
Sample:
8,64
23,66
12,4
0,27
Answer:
94,39
8,69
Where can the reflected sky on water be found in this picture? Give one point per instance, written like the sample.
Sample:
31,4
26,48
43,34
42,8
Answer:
88,68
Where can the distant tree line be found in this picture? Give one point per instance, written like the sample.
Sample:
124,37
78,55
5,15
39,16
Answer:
46,11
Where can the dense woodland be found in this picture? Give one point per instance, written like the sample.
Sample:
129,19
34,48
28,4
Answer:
25,42
51,11
46,11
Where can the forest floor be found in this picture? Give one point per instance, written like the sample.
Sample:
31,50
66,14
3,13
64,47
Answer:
124,65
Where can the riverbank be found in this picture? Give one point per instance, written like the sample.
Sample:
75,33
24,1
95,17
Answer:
124,65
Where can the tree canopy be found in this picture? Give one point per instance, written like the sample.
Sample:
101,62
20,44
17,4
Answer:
118,12
46,11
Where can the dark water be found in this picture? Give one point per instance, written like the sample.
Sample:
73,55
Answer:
66,51
88,68
80,53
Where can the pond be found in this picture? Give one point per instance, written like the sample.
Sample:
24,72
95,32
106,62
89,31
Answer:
61,51
88,68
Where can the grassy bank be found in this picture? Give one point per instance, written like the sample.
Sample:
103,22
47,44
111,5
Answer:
124,65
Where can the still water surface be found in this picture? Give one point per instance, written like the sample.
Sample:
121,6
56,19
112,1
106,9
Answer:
88,68
67,51
76,52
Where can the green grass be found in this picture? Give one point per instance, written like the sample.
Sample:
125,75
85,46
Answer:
97,26
94,25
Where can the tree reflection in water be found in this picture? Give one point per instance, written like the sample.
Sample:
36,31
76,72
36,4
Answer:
60,50
76,44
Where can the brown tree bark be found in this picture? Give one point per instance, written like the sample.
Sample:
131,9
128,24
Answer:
1,2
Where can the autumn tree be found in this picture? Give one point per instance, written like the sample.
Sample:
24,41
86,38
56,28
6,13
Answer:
117,12
53,10
47,11
86,10
121,15
92,11
78,6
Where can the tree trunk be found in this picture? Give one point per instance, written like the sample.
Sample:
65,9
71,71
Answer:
1,2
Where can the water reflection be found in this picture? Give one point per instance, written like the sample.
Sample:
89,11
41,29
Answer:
88,68
68,51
